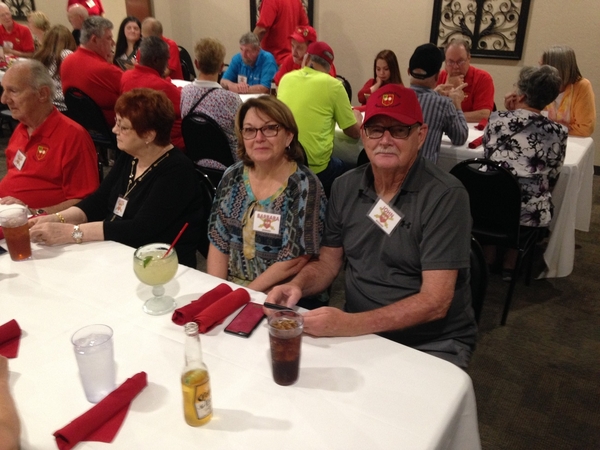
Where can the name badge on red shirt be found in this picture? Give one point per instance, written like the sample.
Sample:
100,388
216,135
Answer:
19,160
385,216
90,3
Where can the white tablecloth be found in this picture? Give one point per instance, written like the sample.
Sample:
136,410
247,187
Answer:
572,195
365,392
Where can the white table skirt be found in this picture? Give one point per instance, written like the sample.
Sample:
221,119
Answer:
363,392
572,195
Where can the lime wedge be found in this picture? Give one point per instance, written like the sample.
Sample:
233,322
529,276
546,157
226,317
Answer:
147,260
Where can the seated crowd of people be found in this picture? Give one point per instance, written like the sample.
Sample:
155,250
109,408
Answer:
288,214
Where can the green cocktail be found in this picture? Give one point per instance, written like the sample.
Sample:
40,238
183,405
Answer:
154,269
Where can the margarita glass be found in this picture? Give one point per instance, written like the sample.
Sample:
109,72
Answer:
152,269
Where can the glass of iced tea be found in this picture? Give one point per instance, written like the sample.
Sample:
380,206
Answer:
16,232
153,268
285,336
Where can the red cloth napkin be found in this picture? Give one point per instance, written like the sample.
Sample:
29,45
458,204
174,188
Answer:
218,311
186,313
1,233
102,422
481,125
476,142
10,336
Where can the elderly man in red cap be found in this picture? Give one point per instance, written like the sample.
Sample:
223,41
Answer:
319,101
300,39
403,226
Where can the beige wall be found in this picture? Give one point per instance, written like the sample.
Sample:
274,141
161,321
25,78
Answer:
357,30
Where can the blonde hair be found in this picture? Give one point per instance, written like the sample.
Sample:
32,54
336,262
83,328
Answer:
210,55
39,20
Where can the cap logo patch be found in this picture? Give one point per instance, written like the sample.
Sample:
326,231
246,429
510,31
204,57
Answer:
387,99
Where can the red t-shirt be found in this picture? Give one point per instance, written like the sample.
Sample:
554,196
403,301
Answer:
146,77
60,163
174,63
88,71
479,94
288,65
280,18
20,38
94,7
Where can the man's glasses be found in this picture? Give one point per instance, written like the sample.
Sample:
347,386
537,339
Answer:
397,131
267,131
458,63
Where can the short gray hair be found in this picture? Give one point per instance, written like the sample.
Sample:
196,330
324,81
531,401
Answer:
250,39
38,75
540,85
154,53
322,62
94,26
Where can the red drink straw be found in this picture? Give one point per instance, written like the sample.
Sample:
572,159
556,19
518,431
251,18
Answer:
175,240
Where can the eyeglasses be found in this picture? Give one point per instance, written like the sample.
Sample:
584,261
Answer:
121,128
458,63
267,131
397,131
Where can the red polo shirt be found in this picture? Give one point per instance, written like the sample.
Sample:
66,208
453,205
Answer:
94,7
60,163
479,94
280,18
174,63
146,77
88,71
21,38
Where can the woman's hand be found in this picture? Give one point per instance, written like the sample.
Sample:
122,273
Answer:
510,101
11,201
43,219
50,233
376,85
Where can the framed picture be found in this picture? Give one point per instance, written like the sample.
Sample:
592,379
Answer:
495,28
255,9
20,8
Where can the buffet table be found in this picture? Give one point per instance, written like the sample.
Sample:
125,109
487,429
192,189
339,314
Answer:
363,392
572,196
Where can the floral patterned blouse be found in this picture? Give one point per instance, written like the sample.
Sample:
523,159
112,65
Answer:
535,154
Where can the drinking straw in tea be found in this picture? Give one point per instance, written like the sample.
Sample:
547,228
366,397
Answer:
175,240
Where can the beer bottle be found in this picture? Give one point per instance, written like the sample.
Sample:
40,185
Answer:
195,382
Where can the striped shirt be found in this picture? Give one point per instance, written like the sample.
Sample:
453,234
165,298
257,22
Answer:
441,116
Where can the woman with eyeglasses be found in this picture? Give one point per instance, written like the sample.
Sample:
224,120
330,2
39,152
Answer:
385,70
149,194
267,219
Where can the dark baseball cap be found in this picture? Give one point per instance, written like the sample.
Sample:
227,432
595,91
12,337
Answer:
428,58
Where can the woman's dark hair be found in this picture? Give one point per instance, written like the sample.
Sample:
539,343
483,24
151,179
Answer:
390,58
56,39
121,46
148,110
277,111
540,85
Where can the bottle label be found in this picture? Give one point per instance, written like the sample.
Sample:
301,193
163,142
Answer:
202,400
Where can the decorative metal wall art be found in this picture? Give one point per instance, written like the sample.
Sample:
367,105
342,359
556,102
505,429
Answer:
495,28
20,8
255,9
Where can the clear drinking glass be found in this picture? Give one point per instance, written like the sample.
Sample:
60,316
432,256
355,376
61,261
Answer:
152,269
93,347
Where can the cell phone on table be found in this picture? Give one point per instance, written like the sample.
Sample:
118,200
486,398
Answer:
246,321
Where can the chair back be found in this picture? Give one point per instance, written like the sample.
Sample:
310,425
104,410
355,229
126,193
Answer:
347,86
495,197
83,110
187,65
479,277
362,158
208,196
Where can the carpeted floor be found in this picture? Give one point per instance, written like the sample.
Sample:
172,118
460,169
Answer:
537,379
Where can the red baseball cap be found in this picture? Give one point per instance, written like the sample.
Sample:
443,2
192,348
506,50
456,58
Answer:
395,101
305,34
322,50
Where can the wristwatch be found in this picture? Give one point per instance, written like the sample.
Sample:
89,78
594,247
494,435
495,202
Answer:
77,234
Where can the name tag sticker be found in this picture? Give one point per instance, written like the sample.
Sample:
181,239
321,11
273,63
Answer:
242,79
385,217
266,222
19,159
120,206
91,3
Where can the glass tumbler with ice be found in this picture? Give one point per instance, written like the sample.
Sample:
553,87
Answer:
93,347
